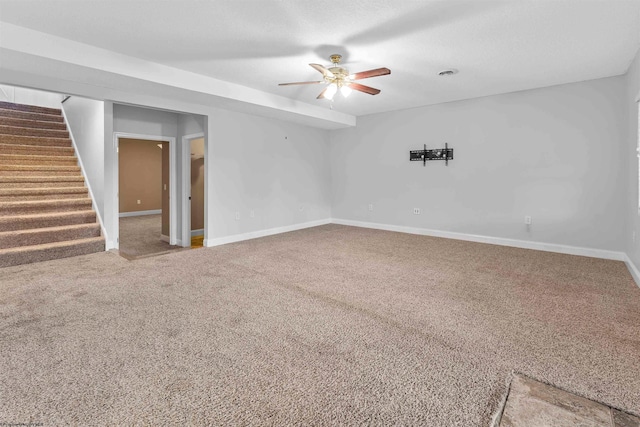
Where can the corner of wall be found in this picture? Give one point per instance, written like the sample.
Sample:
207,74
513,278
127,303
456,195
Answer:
110,192
632,217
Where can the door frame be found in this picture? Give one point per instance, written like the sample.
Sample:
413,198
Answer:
186,186
173,200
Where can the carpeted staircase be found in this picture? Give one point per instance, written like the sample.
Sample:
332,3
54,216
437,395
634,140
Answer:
45,208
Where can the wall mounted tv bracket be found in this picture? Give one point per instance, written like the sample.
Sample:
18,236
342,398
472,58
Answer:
445,154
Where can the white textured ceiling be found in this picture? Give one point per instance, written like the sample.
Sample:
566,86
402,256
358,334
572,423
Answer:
498,46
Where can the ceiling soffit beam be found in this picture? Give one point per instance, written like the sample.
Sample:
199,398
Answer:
46,46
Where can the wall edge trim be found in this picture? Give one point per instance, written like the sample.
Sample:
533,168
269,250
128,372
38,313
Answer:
523,244
264,233
633,270
140,213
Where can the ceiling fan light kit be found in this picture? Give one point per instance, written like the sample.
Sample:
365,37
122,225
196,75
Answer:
338,78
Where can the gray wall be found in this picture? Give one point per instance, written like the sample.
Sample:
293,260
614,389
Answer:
278,170
270,167
144,121
21,95
110,219
632,214
552,153
189,124
85,119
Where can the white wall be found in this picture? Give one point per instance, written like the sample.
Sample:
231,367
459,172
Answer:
111,207
189,124
144,121
553,153
631,213
20,95
85,120
270,167
278,170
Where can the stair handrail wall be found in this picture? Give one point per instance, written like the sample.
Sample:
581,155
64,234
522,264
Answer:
28,96
8,98
83,171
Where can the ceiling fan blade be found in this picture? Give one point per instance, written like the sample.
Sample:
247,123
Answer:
365,89
300,83
370,73
321,96
323,70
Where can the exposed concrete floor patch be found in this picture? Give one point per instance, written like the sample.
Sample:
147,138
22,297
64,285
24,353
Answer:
534,404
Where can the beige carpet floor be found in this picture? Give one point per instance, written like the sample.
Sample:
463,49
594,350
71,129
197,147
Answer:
140,236
332,325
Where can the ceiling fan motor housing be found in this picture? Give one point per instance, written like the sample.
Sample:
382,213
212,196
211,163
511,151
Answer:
339,71
341,75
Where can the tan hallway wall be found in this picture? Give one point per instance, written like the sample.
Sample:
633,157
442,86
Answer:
140,175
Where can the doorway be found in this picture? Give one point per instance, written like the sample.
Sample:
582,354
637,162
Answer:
193,151
145,187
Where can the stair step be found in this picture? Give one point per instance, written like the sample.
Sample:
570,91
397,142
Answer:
39,236
15,130
51,173
17,114
13,148
30,108
43,193
31,124
39,170
36,206
55,219
45,209
30,159
40,181
35,168
49,251
36,141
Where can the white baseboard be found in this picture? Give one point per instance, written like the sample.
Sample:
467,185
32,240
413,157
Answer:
263,233
140,213
525,244
198,232
168,240
635,273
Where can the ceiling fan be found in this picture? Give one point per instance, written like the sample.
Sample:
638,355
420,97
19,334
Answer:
338,78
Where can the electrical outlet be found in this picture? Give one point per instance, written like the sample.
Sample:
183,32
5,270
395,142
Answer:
237,216
416,211
527,220
252,214
370,207
138,201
